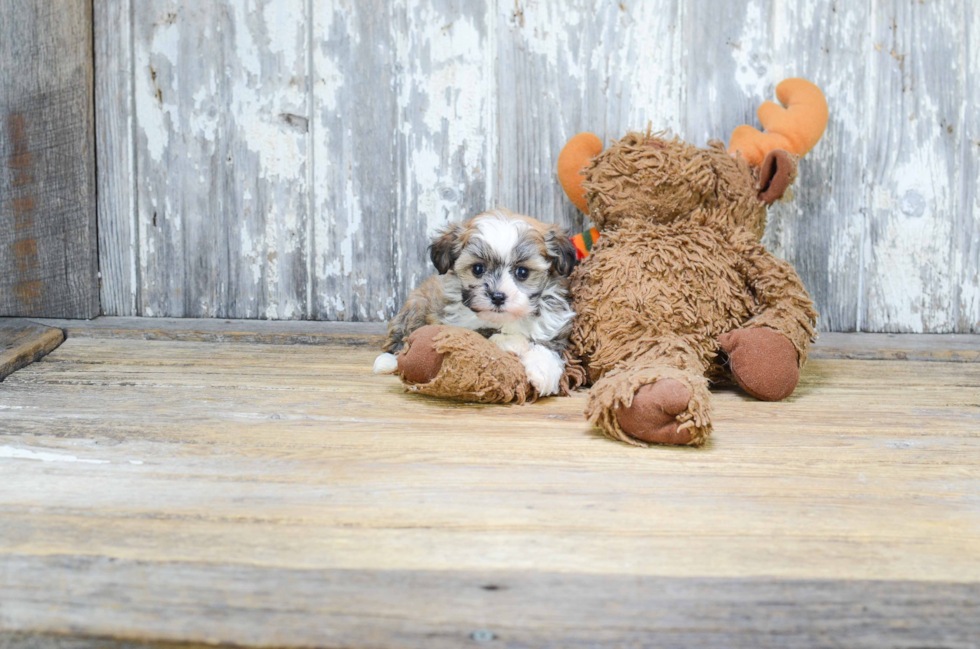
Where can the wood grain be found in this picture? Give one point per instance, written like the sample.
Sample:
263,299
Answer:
213,330
401,146
222,145
116,157
439,609
914,166
23,342
284,495
424,111
966,247
823,229
943,348
48,248
964,348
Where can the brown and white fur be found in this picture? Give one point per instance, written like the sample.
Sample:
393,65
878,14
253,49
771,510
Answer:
504,275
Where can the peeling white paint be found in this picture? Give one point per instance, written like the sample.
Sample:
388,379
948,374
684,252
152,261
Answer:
884,188
751,53
9,452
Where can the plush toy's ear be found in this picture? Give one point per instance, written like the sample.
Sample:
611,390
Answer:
777,173
575,157
445,248
560,250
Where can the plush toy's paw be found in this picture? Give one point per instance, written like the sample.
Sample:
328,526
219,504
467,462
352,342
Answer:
420,362
652,417
763,361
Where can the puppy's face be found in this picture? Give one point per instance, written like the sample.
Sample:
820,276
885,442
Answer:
504,262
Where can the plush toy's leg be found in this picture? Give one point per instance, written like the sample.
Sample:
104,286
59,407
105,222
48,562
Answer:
461,364
763,361
660,397
767,352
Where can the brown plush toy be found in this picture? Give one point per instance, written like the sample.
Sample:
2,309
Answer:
678,283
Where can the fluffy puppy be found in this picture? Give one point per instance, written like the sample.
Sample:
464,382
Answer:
505,276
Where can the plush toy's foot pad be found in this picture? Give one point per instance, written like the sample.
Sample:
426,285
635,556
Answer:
652,417
763,361
420,362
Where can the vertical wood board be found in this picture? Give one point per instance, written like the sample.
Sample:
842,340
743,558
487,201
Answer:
222,145
48,250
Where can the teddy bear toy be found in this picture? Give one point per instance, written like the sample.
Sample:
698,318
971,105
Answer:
677,289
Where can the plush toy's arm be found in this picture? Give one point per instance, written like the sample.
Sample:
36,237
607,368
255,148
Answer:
785,304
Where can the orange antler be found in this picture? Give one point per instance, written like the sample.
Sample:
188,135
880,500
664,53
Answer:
796,128
574,157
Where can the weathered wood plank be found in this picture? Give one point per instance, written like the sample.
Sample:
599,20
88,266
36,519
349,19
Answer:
565,68
822,230
430,610
21,640
115,121
355,204
48,258
401,143
913,347
915,125
728,67
966,241
269,332
23,342
952,348
222,104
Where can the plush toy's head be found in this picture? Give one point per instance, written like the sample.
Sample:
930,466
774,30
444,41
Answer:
652,177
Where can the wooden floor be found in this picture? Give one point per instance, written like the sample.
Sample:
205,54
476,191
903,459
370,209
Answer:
263,494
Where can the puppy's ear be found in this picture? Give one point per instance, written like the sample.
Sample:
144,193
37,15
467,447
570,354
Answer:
560,250
445,248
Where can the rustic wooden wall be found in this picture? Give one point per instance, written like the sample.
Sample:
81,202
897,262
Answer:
48,259
289,158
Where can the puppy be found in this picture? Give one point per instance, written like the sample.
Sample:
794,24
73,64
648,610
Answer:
505,276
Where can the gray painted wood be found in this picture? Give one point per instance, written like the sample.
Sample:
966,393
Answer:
269,332
917,83
48,258
402,110
822,229
411,114
951,348
115,120
256,605
966,242
222,143
563,69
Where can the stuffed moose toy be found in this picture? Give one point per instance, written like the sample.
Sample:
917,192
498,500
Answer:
677,289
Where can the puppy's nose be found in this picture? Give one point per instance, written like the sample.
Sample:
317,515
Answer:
498,298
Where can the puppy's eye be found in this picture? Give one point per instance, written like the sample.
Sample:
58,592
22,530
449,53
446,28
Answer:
521,273
478,269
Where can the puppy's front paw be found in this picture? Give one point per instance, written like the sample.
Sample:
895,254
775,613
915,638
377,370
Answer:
544,368
386,364
514,343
